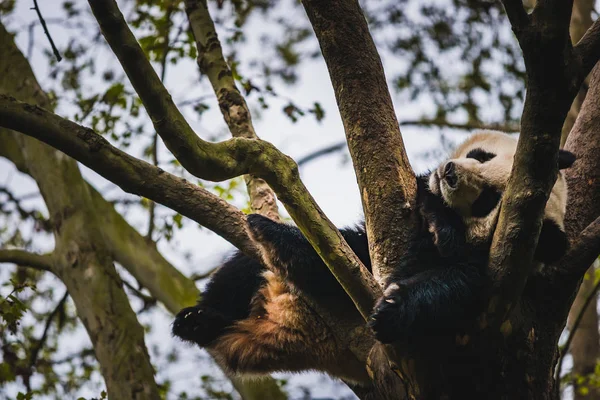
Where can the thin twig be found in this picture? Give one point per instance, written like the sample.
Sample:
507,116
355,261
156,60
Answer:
39,13
163,74
322,152
40,343
148,301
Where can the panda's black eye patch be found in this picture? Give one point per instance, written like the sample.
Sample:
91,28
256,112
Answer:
480,155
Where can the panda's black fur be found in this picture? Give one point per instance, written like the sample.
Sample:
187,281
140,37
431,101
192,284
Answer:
255,320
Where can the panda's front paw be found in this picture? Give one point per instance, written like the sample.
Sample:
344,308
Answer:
388,320
200,325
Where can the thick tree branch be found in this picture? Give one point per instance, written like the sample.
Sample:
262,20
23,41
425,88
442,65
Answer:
553,80
139,177
385,178
23,258
131,174
583,179
231,102
516,14
169,123
588,48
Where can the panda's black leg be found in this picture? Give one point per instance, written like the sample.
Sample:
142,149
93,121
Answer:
552,243
225,300
436,302
289,252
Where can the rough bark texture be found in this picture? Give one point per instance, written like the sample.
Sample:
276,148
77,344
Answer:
386,181
585,344
231,102
553,78
82,260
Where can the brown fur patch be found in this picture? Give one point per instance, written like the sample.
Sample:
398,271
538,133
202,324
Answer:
283,334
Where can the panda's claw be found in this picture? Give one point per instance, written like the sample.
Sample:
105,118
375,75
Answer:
198,325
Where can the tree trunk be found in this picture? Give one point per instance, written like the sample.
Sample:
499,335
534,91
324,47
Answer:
83,262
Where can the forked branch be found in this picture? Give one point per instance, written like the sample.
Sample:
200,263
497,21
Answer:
231,102
255,156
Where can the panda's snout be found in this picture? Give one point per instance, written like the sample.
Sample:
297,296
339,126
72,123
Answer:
450,174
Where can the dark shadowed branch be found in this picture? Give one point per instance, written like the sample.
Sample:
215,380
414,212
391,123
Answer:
42,340
516,14
588,48
45,27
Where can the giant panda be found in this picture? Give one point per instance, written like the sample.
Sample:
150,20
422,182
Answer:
259,319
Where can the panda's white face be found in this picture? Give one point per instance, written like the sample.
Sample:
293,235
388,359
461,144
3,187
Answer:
473,179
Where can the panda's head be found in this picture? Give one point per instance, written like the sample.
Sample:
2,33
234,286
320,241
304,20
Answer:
472,181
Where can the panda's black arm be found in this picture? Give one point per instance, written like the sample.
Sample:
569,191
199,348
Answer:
225,300
552,243
434,302
291,253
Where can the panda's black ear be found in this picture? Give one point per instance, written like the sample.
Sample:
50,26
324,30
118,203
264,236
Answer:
565,159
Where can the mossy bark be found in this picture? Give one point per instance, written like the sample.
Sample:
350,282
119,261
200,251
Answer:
81,259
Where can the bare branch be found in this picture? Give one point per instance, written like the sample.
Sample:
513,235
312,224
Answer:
42,340
322,152
588,48
40,221
139,177
231,102
43,22
469,126
386,182
24,258
583,179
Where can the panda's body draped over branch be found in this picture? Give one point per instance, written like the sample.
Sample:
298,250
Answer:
257,318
